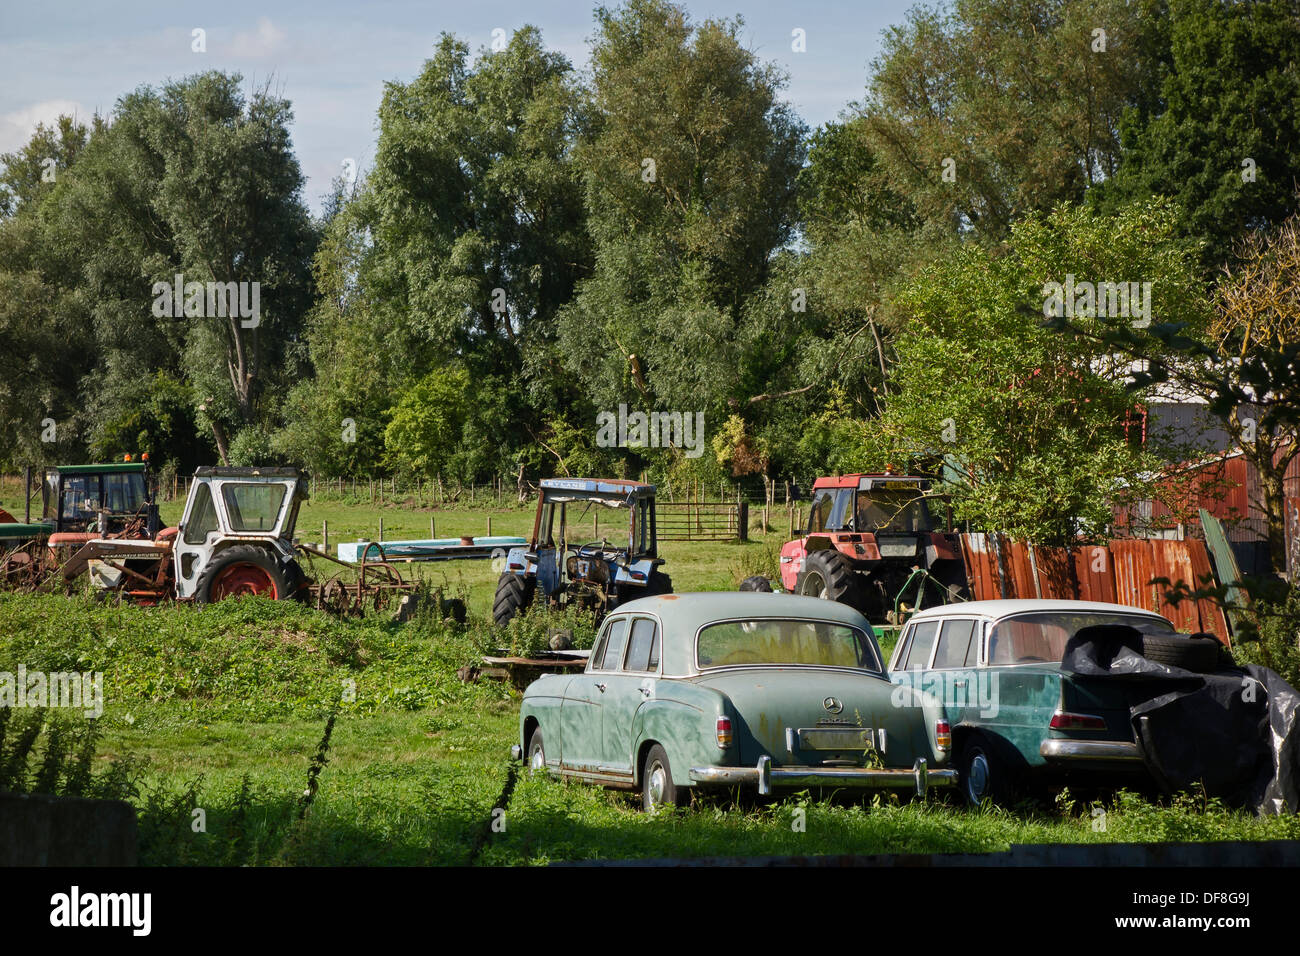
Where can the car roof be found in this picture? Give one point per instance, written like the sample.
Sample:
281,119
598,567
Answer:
698,608
684,614
1004,607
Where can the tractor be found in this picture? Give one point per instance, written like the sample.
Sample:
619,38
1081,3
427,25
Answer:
99,500
568,559
79,503
235,538
873,542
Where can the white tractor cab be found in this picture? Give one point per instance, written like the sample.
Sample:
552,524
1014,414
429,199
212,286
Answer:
235,538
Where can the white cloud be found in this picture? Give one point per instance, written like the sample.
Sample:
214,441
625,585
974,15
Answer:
263,41
16,128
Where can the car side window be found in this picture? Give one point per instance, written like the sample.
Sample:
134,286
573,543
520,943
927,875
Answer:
918,652
612,659
643,646
956,639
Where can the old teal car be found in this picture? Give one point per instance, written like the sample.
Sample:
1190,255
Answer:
1018,720
733,690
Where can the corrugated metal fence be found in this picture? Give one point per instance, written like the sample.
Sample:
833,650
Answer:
1119,571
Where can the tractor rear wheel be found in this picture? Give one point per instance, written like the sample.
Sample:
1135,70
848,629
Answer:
659,583
513,595
241,571
826,574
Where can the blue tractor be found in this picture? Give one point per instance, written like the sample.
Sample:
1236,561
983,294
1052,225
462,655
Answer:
568,562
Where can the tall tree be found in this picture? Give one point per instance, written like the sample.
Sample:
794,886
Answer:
1224,138
1029,422
991,109
474,206
689,171
197,180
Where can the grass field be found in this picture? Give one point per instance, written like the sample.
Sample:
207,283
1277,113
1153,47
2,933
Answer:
220,715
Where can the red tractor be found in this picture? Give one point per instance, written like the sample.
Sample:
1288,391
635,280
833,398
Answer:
873,542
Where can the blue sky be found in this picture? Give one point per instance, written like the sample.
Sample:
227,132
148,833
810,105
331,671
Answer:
331,58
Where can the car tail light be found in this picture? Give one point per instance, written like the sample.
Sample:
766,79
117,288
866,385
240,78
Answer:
942,734
1064,721
724,732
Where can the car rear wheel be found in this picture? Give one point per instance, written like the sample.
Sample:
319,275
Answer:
982,773
657,788
536,753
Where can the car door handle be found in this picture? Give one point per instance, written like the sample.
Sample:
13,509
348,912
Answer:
645,691
600,687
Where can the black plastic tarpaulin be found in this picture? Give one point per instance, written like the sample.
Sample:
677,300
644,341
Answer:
1232,731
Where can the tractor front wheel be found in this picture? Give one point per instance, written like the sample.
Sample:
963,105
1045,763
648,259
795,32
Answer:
242,571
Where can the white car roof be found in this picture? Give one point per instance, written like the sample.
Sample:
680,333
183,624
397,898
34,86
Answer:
1003,608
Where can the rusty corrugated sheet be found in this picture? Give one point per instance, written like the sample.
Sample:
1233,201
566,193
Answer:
981,567
1019,565
1172,562
1211,617
1056,577
1095,572
1133,569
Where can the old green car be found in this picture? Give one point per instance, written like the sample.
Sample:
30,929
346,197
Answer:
730,690
1018,719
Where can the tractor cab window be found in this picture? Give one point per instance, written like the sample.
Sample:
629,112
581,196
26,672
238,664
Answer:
253,506
899,512
642,539
123,494
545,537
80,498
203,517
828,509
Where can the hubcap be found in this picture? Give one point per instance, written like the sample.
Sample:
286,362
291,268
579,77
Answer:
814,586
656,784
977,780
242,579
537,759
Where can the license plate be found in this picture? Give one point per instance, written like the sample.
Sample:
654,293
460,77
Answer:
836,738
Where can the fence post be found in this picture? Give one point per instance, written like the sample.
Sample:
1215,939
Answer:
381,530
432,533
325,536
743,514
489,526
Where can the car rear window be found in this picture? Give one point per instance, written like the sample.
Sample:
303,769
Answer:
1041,637
785,642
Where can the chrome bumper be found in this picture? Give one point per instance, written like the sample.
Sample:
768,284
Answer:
1090,750
764,776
